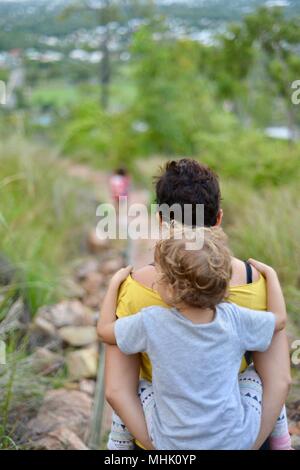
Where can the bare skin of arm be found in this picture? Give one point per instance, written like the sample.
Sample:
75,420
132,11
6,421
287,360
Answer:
131,411
275,362
121,384
273,366
122,371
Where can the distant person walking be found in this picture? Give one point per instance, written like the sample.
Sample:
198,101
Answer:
119,185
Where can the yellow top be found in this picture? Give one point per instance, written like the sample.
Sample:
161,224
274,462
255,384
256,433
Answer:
134,296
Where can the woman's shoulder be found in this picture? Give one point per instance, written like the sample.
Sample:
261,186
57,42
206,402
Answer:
250,295
136,292
145,276
239,273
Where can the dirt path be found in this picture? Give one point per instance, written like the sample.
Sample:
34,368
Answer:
138,252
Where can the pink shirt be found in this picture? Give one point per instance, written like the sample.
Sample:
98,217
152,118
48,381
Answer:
119,185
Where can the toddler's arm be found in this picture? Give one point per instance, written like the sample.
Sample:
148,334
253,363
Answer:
107,319
129,409
275,299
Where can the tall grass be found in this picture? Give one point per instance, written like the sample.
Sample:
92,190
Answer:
22,392
41,217
265,224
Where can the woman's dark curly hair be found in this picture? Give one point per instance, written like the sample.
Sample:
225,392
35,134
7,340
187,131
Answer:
187,181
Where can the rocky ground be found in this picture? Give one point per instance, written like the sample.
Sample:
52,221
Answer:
64,336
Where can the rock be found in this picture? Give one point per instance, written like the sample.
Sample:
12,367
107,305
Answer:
93,282
78,335
67,313
71,385
89,266
7,271
293,407
46,362
72,289
60,439
96,244
111,266
295,442
44,326
11,320
93,301
82,363
294,428
61,408
87,386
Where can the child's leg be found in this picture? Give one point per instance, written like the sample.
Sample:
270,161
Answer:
251,390
119,437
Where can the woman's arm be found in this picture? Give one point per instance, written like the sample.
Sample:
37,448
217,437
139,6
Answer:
121,371
273,365
121,385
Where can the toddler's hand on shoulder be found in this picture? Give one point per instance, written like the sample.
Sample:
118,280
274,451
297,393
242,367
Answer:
263,268
120,276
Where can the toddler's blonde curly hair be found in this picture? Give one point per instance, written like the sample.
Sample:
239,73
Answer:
199,278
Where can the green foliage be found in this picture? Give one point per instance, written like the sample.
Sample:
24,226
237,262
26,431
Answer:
171,104
23,390
278,37
101,138
39,214
57,95
176,97
263,224
251,157
191,99
4,75
173,97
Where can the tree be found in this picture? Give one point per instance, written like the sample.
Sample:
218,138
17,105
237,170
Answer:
174,99
278,37
264,41
229,64
106,12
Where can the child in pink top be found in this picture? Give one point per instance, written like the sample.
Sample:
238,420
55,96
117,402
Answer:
119,184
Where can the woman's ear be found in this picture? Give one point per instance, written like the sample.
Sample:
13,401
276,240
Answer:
219,218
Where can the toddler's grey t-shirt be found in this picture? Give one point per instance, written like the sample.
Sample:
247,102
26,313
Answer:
195,373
